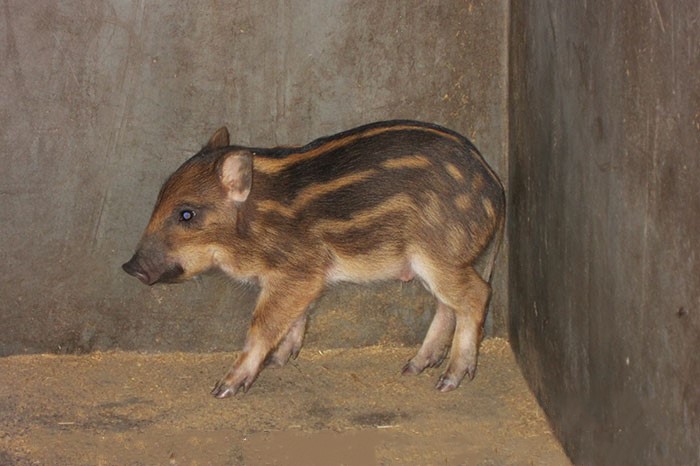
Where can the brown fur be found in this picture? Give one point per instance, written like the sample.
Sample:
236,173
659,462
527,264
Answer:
390,200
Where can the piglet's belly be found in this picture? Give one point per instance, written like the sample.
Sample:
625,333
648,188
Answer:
369,268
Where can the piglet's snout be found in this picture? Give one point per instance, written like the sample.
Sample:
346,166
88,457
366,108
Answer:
151,271
135,268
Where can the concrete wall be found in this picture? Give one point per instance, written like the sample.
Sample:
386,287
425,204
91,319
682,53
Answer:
605,225
101,100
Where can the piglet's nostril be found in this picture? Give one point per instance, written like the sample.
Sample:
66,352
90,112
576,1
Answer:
133,268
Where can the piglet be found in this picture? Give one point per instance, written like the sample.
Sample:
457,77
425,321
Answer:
388,200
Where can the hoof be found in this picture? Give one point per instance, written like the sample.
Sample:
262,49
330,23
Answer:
223,390
446,384
410,369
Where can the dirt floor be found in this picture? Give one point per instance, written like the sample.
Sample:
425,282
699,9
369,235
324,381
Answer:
349,407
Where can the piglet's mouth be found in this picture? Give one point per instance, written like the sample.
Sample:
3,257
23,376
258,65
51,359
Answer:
171,274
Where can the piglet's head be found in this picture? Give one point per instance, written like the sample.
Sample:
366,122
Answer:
195,214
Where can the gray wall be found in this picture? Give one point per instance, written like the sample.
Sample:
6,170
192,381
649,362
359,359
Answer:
101,100
605,224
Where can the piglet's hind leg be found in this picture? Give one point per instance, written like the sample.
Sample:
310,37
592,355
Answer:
469,298
436,342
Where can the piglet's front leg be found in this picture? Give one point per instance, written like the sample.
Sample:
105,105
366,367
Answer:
281,304
291,344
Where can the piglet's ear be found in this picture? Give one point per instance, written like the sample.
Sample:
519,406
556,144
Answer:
236,175
219,139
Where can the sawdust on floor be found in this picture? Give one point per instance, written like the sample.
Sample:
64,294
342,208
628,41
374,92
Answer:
332,407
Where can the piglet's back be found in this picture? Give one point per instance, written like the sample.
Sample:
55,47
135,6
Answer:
390,188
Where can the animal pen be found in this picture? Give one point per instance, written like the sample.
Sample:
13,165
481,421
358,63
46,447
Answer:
587,111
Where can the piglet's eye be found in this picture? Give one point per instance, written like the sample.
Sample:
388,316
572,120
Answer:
186,215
